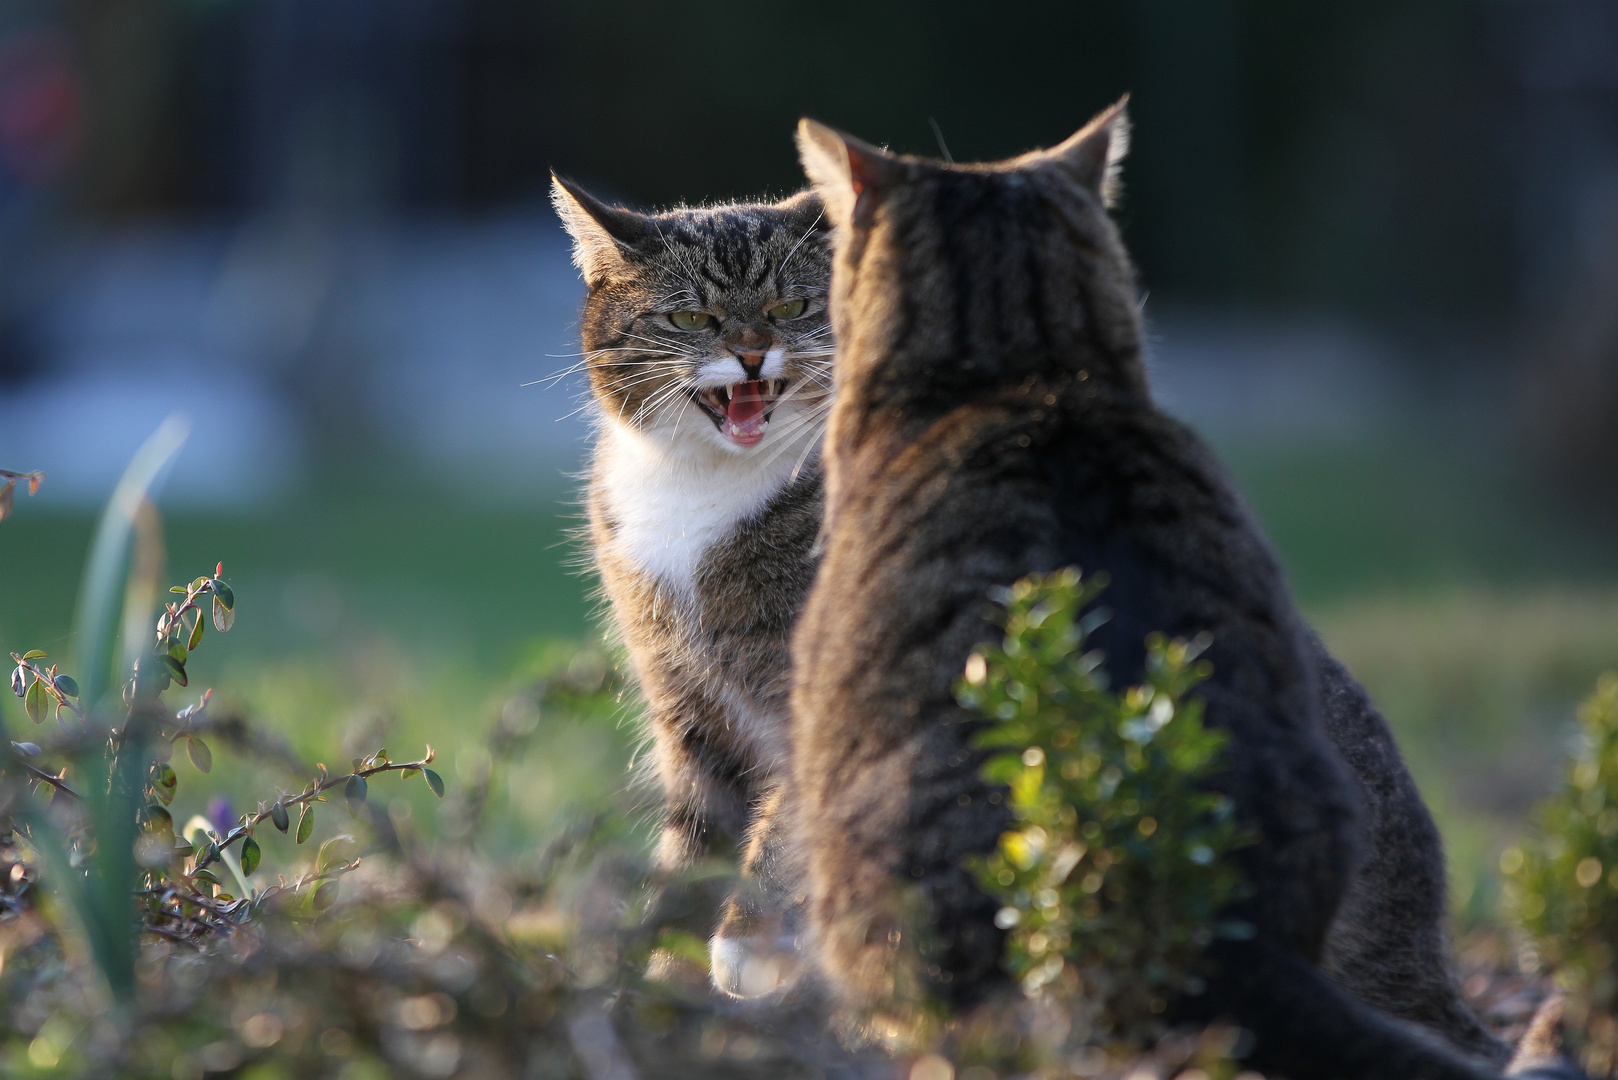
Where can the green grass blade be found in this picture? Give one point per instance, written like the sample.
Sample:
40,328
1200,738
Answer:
101,596
102,898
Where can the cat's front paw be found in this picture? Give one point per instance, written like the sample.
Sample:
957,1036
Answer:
754,967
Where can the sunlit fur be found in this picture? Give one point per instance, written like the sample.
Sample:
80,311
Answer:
704,547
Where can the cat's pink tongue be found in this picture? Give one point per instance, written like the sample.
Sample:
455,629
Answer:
744,416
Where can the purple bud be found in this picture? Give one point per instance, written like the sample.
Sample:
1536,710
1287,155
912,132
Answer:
219,813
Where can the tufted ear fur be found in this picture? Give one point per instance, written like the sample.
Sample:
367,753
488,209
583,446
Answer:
600,232
1094,154
852,176
806,205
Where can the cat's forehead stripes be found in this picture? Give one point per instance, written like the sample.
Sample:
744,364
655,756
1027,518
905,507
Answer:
733,250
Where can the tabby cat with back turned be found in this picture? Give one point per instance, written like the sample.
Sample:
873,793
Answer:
993,419
708,350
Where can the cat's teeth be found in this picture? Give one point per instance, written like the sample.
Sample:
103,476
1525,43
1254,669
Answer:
742,410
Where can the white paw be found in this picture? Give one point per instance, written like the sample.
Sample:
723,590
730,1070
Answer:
752,967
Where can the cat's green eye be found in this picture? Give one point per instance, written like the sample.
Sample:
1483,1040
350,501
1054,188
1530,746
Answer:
691,320
787,309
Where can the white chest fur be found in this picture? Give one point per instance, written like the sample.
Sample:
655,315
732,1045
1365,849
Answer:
672,503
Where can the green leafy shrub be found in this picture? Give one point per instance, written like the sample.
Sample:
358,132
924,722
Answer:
1562,885
135,946
1114,878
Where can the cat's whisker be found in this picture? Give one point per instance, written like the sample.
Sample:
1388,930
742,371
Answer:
660,398
797,466
646,359
661,402
656,368
811,422
624,388
799,391
558,376
589,353
647,409
655,395
807,233
686,295
674,252
640,374
586,401
811,418
667,346
819,378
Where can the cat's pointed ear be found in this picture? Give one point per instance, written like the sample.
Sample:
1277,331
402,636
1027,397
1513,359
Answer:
1094,154
806,206
852,176
600,232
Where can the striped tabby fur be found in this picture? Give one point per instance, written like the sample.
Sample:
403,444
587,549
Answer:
993,419
704,505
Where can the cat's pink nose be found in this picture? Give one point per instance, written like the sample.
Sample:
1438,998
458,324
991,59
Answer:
752,362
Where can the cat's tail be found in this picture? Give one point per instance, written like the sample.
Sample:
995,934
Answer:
1307,1028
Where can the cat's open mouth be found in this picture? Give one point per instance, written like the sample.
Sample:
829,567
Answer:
741,411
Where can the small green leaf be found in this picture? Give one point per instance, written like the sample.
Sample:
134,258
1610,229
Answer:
278,817
408,773
177,588
37,702
250,855
329,854
223,617
355,789
196,633
223,593
67,685
178,651
183,849
198,752
206,875
325,896
158,817
176,668
34,654
306,822
434,781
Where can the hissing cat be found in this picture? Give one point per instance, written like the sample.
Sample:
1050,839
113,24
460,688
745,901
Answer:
993,419
708,350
